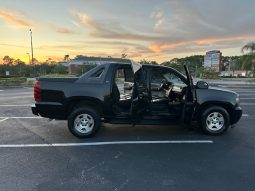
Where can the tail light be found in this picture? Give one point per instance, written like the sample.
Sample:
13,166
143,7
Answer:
37,91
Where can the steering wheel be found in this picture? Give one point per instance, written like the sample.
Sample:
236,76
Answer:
163,84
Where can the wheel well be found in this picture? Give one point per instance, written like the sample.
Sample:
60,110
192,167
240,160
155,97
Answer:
95,104
204,106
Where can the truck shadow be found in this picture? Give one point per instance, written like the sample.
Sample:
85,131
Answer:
149,132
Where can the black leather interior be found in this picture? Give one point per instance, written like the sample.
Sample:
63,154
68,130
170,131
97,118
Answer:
115,93
122,101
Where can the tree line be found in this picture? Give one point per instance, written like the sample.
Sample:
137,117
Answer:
195,64
246,62
16,67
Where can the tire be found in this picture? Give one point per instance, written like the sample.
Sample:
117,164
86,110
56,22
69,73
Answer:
84,122
215,120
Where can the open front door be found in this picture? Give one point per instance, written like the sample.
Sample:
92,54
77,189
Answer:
140,96
188,105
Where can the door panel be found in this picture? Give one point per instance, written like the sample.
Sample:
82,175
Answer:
188,106
140,97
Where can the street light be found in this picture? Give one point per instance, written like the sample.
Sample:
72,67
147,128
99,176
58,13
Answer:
32,50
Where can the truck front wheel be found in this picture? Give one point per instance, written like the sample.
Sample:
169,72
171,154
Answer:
84,122
215,120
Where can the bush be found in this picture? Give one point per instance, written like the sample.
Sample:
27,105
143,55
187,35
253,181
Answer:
7,81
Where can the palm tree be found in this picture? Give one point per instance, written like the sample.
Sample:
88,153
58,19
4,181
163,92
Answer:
123,55
250,47
66,58
8,60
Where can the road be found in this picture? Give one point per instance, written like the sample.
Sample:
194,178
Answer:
38,154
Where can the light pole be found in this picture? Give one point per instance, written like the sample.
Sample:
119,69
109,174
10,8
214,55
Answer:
32,50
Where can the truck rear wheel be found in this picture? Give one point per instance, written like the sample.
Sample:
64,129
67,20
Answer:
215,120
84,122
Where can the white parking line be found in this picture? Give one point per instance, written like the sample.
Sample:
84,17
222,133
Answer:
17,93
241,94
21,117
247,104
1,120
245,115
16,105
16,97
108,143
244,90
248,98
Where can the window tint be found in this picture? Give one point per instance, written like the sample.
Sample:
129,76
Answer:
124,75
120,76
124,79
98,73
158,75
175,80
129,75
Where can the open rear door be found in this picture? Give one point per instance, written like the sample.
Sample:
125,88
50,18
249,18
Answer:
188,105
140,96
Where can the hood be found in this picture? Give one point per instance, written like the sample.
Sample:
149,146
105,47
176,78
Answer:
217,95
222,90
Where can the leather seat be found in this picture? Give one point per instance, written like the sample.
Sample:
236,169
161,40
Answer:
122,101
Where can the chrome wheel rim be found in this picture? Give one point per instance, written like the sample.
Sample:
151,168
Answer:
84,123
215,121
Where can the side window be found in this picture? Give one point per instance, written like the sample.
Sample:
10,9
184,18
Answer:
174,79
124,79
98,73
129,75
156,76
119,76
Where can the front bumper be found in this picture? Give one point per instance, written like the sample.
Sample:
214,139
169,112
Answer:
236,116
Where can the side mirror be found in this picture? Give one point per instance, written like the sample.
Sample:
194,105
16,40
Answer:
202,85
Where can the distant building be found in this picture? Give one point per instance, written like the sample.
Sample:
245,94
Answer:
63,64
84,60
212,59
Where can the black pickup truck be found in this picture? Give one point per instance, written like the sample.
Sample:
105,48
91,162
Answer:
134,94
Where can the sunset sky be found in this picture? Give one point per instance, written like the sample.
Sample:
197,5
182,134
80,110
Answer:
143,29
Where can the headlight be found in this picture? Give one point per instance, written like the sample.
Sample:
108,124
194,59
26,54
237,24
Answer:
237,100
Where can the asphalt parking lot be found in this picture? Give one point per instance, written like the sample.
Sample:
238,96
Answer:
38,154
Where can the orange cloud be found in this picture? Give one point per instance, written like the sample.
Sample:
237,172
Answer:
159,47
163,46
214,40
14,19
65,31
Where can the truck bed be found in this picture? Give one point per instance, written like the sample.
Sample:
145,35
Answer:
68,80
